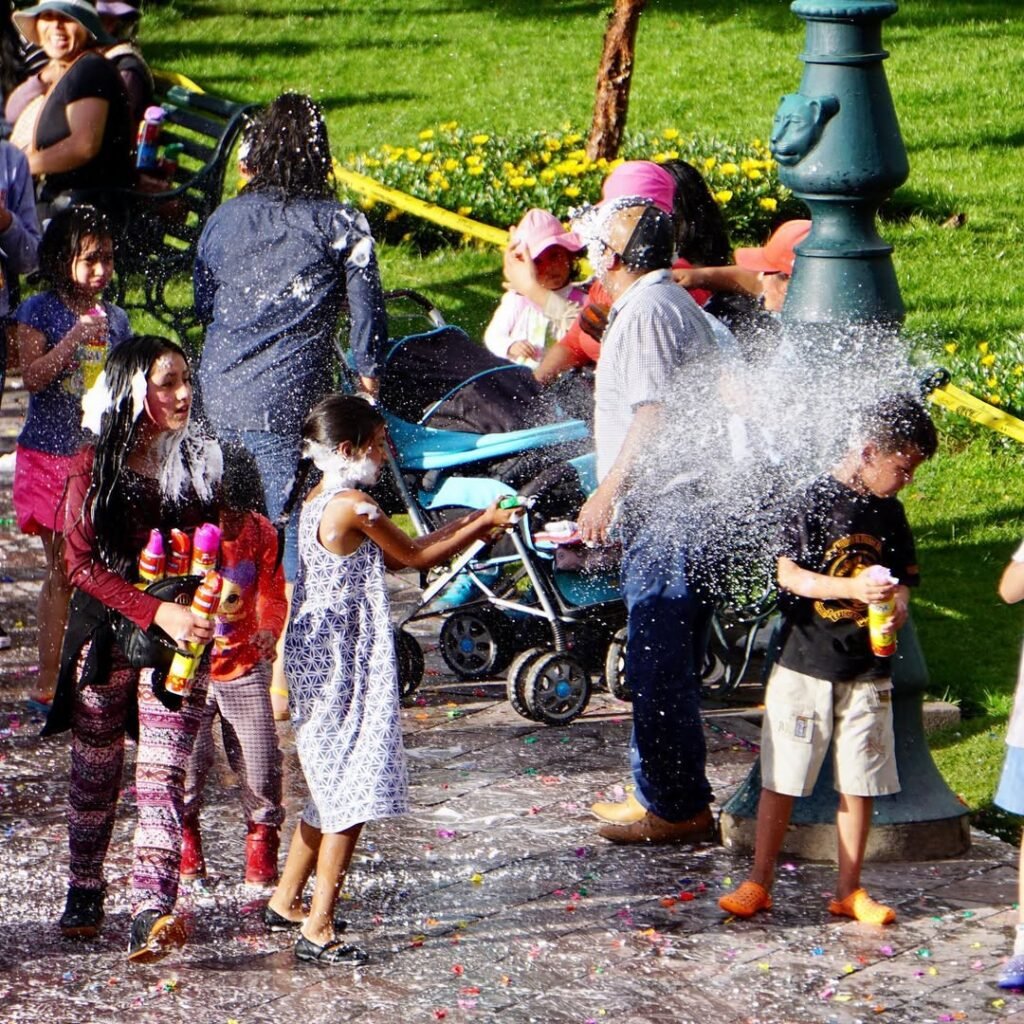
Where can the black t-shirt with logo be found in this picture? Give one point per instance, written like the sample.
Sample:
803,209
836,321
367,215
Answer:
836,531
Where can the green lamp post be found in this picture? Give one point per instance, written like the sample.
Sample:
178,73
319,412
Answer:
839,149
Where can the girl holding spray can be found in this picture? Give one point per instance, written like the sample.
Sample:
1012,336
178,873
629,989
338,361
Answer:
150,467
63,335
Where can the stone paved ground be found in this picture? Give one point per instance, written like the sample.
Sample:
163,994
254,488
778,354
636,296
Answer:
493,899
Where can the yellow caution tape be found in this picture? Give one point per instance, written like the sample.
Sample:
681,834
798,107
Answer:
949,396
365,186
174,78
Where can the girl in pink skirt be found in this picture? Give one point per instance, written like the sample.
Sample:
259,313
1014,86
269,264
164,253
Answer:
63,335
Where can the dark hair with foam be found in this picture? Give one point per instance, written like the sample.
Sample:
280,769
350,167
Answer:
62,240
899,422
286,149
117,432
331,422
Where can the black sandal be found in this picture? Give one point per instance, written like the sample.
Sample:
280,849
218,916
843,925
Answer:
334,953
276,922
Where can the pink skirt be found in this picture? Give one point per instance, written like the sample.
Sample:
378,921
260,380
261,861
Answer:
40,482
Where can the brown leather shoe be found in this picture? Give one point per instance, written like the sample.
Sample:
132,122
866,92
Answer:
619,812
652,829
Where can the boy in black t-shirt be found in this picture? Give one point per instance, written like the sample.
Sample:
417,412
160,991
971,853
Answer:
828,688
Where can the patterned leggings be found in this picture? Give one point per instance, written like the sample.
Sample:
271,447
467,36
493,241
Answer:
250,744
97,759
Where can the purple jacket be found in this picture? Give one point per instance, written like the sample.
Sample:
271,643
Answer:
20,242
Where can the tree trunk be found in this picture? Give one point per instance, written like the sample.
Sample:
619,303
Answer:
613,77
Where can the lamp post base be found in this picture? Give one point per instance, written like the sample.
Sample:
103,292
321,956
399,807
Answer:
910,841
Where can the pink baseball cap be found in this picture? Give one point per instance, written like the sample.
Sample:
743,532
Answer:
641,178
777,255
539,230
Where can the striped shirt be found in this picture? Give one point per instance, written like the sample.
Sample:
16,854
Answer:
654,329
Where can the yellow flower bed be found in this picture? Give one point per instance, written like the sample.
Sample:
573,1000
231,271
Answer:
992,370
495,179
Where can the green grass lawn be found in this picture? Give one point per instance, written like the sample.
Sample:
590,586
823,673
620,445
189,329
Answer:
384,71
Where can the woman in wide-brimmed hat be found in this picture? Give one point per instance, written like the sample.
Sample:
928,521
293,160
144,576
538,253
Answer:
76,131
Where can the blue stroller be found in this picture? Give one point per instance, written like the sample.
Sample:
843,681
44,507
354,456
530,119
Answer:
553,628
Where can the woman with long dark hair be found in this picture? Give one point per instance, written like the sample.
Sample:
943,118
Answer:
151,467
275,267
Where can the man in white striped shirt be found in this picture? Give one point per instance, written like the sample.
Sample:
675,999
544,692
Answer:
655,329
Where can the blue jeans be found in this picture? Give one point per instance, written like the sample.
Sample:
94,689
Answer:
277,456
668,623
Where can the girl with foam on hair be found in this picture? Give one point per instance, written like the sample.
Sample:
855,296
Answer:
340,661
62,334
150,467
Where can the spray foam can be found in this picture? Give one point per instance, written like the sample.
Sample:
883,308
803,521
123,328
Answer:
881,616
183,666
151,560
205,549
180,557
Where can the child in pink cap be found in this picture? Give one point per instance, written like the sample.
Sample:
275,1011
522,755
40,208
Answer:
520,330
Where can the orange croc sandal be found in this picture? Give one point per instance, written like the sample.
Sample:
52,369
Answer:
746,900
861,907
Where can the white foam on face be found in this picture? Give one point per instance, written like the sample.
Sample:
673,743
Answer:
591,223
341,473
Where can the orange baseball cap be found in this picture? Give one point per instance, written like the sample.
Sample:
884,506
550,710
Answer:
778,254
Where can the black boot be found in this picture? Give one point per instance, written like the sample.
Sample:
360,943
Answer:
83,913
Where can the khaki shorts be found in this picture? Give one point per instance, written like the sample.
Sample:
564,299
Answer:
803,715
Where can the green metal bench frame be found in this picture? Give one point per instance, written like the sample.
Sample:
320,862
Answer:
162,229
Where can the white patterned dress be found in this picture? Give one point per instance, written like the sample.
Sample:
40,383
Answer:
343,689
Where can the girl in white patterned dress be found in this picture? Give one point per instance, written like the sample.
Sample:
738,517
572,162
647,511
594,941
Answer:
340,662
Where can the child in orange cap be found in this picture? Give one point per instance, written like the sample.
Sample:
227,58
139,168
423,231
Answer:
762,272
519,329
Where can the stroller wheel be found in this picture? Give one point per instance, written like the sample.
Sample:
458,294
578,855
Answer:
556,688
516,680
615,667
717,677
475,644
409,656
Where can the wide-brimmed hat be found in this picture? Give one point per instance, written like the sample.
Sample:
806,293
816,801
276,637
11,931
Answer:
778,254
539,230
117,9
82,11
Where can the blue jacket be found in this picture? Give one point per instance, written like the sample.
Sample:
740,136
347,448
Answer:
20,242
270,279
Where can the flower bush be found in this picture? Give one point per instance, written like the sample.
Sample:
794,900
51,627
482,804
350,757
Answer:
496,179
991,371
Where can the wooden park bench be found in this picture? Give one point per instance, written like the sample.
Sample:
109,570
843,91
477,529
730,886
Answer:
165,216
